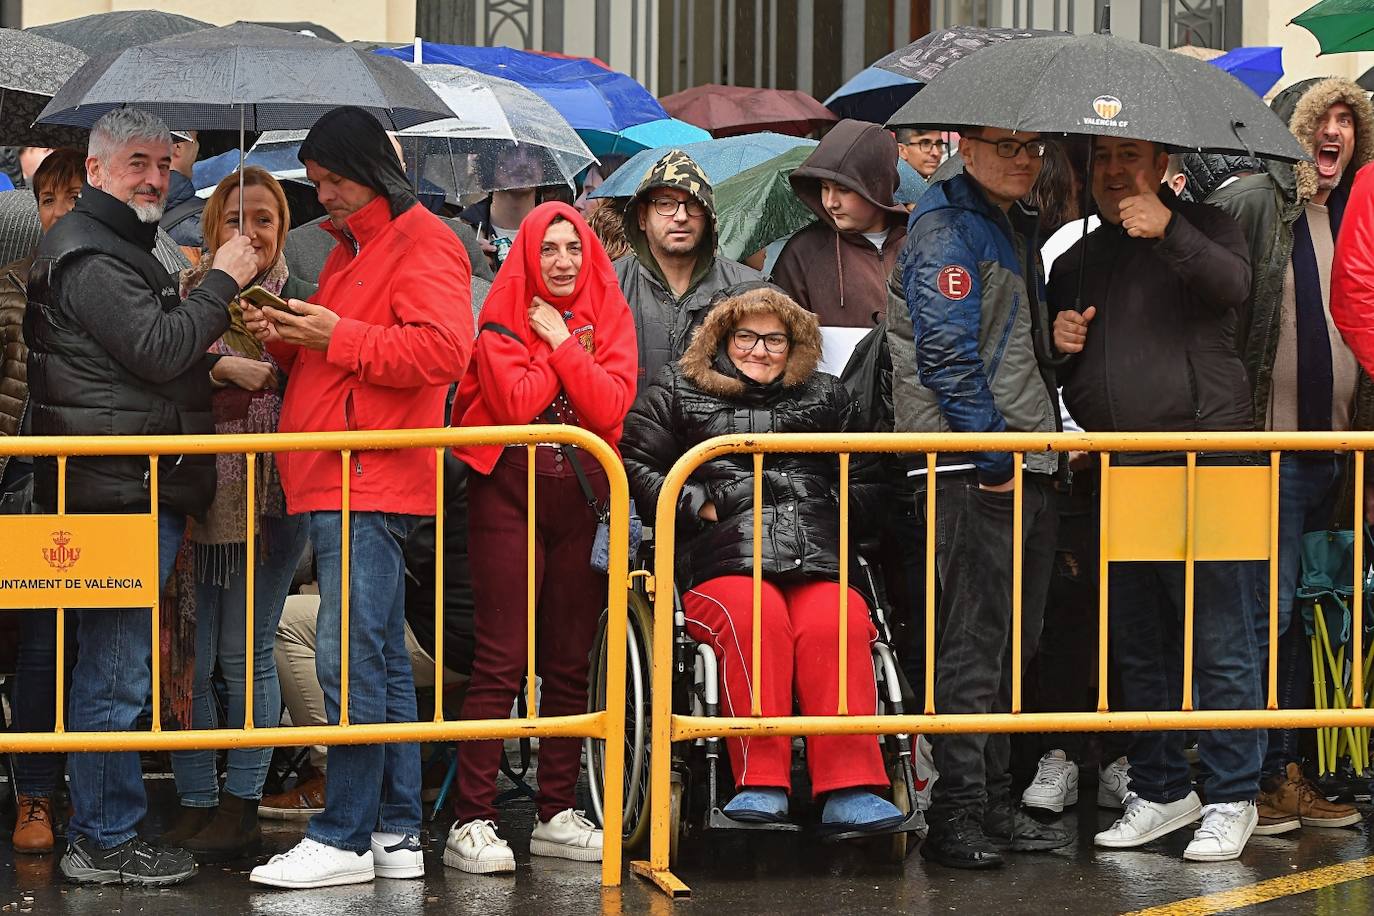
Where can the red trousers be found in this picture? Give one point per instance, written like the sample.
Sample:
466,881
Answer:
569,598
800,658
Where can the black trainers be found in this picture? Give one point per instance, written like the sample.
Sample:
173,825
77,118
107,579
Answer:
958,842
131,862
1008,827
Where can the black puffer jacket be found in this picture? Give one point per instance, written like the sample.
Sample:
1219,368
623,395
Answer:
702,396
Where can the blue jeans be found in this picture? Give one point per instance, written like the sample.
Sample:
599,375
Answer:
111,684
1309,485
371,786
220,637
1146,621
35,695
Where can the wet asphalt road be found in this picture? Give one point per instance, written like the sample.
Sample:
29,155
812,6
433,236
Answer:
740,874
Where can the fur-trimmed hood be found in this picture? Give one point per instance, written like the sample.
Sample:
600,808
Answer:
698,364
1303,107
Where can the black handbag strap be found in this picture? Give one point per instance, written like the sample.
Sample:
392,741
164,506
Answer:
582,481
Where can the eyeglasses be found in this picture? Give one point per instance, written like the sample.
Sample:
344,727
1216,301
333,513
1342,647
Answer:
927,145
668,206
1010,149
745,341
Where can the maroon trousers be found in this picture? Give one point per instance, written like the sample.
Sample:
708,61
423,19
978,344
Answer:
569,598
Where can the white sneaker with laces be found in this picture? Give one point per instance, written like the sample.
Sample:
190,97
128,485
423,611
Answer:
1145,821
1113,782
396,855
1226,827
568,835
312,864
475,848
1055,786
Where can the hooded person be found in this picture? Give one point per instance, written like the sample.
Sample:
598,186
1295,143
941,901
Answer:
376,347
838,267
1304,374
673,271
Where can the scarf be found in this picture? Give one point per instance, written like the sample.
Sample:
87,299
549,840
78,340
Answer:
1313,335
351,143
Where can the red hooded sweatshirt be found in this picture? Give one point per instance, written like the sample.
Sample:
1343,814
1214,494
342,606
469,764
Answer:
515,376
404,335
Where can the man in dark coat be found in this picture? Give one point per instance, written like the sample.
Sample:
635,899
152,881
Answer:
115,351
1154,350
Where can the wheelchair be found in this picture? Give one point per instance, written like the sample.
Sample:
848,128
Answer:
698,768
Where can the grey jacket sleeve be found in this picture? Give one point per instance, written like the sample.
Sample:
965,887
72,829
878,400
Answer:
113,303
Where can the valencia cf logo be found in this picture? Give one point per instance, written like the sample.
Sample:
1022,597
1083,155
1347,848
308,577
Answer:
61,555
1107,107
954,282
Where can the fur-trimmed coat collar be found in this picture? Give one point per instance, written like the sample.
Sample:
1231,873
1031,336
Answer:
1307,117
698,363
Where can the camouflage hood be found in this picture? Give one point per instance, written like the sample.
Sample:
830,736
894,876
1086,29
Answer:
675,170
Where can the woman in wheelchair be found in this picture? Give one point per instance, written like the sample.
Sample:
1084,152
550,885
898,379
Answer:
751,368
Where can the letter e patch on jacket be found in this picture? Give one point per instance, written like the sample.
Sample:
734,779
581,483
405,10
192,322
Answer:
954,282
586,338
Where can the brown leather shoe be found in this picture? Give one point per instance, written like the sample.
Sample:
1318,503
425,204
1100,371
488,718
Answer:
1293,793
33,827
1273,822
297,804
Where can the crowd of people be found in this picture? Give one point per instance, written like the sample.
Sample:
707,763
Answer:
1219,294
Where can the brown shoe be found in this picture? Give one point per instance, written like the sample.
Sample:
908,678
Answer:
33,826
1273,822
298,804
1293,793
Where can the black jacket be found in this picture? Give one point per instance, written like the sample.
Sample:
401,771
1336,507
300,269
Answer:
699,397
115,351
1161,353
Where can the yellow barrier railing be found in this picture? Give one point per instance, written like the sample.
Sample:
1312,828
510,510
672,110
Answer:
1188,514
608,726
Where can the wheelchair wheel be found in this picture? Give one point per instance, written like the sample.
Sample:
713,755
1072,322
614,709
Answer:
675,819
638,668
900,845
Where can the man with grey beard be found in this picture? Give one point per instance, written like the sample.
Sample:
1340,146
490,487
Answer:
115,351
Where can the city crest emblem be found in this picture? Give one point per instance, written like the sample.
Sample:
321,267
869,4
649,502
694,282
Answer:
61,555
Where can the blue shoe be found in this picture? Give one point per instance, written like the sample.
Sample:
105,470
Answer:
855,810
758,806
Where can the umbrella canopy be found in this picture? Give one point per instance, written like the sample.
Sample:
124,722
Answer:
872,94
1259,67
588,96
32,68
910,184
110,33
728,111
663,132
719,159
269,78
1339,25
1106,86
313,29
757,207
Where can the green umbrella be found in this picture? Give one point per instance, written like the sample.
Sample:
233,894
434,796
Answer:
757,206
1340,25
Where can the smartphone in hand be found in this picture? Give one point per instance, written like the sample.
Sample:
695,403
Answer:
263,298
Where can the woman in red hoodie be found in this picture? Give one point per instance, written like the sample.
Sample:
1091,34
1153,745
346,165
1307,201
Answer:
556,344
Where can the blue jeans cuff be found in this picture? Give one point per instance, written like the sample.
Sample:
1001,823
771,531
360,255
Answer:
397,829
337,844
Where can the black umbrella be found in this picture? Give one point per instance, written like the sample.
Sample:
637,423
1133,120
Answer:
110,33
1105,86
32,68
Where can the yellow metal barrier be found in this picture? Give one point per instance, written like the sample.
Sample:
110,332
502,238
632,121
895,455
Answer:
1187,513
608,726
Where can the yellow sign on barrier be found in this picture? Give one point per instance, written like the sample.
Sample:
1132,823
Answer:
78,561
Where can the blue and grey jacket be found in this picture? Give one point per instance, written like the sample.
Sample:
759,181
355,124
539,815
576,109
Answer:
963,351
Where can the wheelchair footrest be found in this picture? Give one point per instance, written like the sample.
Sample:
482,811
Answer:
719,820
914,823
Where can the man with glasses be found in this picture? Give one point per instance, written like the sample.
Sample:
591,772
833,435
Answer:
673,272
923,150
965,359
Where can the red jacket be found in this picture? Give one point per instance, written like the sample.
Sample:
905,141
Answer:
404,335
1352,274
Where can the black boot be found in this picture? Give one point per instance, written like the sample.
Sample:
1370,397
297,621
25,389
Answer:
957,841
1007,827
232,834
188,822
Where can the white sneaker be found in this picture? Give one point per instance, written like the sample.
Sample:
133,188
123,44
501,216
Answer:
1226,827
1145,821
1055,786
1113,782
568,835
397,856
312,864
475,848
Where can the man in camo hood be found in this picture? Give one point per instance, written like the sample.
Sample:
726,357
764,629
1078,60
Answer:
674,271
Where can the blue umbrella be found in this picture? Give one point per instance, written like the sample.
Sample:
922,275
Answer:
719,159
588,95
1258,67
910,185
663,132
873,94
